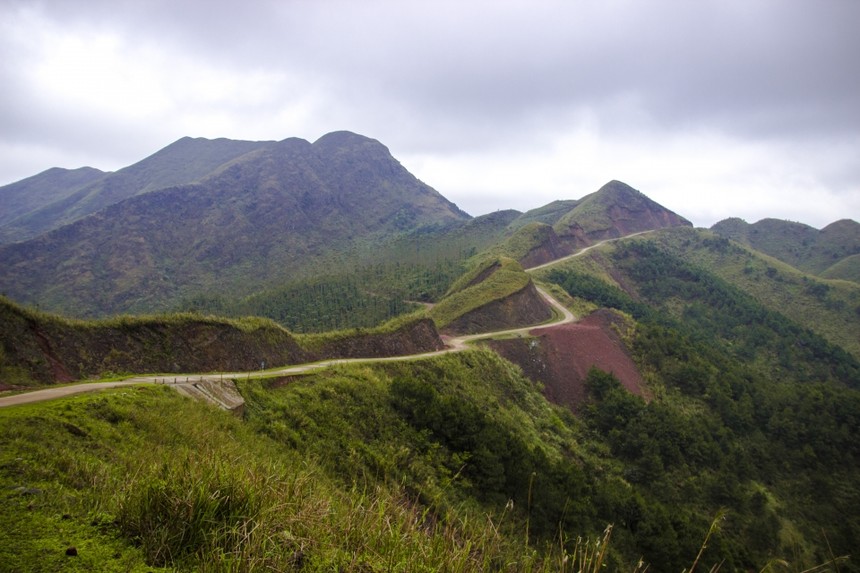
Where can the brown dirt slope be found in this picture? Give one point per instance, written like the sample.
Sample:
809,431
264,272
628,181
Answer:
37,348
522,308
559,357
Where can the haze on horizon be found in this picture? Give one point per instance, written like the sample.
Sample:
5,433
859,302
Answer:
713,109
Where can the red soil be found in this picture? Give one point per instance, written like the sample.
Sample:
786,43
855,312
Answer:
559,357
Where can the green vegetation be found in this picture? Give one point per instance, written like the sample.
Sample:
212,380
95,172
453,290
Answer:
492,280
522,241
799,245
752,412
315,480
144,479
466,433
454,463
316,305
828,307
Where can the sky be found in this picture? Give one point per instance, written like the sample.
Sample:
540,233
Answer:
715,109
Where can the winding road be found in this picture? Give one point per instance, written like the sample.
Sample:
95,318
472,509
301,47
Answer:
453,344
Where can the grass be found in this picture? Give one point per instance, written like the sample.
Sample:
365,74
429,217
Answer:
505,279
142,479
522,241
829,307
145,480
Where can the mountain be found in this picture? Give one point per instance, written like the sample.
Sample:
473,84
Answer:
695,425
281,211
30,194
62,200
831,252
562,227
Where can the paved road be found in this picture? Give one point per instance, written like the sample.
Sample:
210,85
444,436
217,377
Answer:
453,344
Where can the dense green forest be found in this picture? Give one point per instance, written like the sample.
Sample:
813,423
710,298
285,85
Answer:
366,297
368,285
752,412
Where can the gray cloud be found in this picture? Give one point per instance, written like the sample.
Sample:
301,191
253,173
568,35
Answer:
440,81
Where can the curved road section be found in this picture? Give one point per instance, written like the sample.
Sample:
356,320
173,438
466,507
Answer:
454,344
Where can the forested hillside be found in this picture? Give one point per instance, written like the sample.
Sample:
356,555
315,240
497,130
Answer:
284,211
829,307
831,252
752,412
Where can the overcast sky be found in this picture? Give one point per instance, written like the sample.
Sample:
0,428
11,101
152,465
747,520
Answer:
712,108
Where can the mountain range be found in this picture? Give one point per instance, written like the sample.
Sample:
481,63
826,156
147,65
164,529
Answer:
243,215
706,403
236,217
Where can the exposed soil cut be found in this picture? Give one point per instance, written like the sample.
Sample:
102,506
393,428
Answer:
559,357
522,308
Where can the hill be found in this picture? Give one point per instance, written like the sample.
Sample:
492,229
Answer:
562,227
494,295
30,194
831,252
37,348
828,307
60,201
284,211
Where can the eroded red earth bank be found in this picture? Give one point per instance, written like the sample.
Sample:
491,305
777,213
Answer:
559,357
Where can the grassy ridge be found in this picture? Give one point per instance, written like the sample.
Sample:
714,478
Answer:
496,279
39,348
143,479
829,307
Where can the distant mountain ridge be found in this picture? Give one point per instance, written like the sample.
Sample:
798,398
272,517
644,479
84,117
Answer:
832,252
266,215
62,196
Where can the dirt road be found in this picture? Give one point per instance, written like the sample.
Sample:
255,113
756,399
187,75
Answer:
453,344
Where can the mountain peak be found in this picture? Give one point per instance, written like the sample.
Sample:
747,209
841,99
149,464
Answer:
613,210
345,140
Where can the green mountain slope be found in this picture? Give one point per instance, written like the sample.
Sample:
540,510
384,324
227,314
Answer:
452,463
18,199
146,480
286,211
830,308
376,282
769,386
799,245
62,202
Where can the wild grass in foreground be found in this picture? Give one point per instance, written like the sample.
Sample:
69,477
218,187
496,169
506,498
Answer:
141,479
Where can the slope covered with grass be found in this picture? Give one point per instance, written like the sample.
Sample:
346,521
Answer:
145,480
829,307
491,280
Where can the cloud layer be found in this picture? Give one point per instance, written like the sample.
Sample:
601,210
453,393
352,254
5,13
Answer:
714,109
